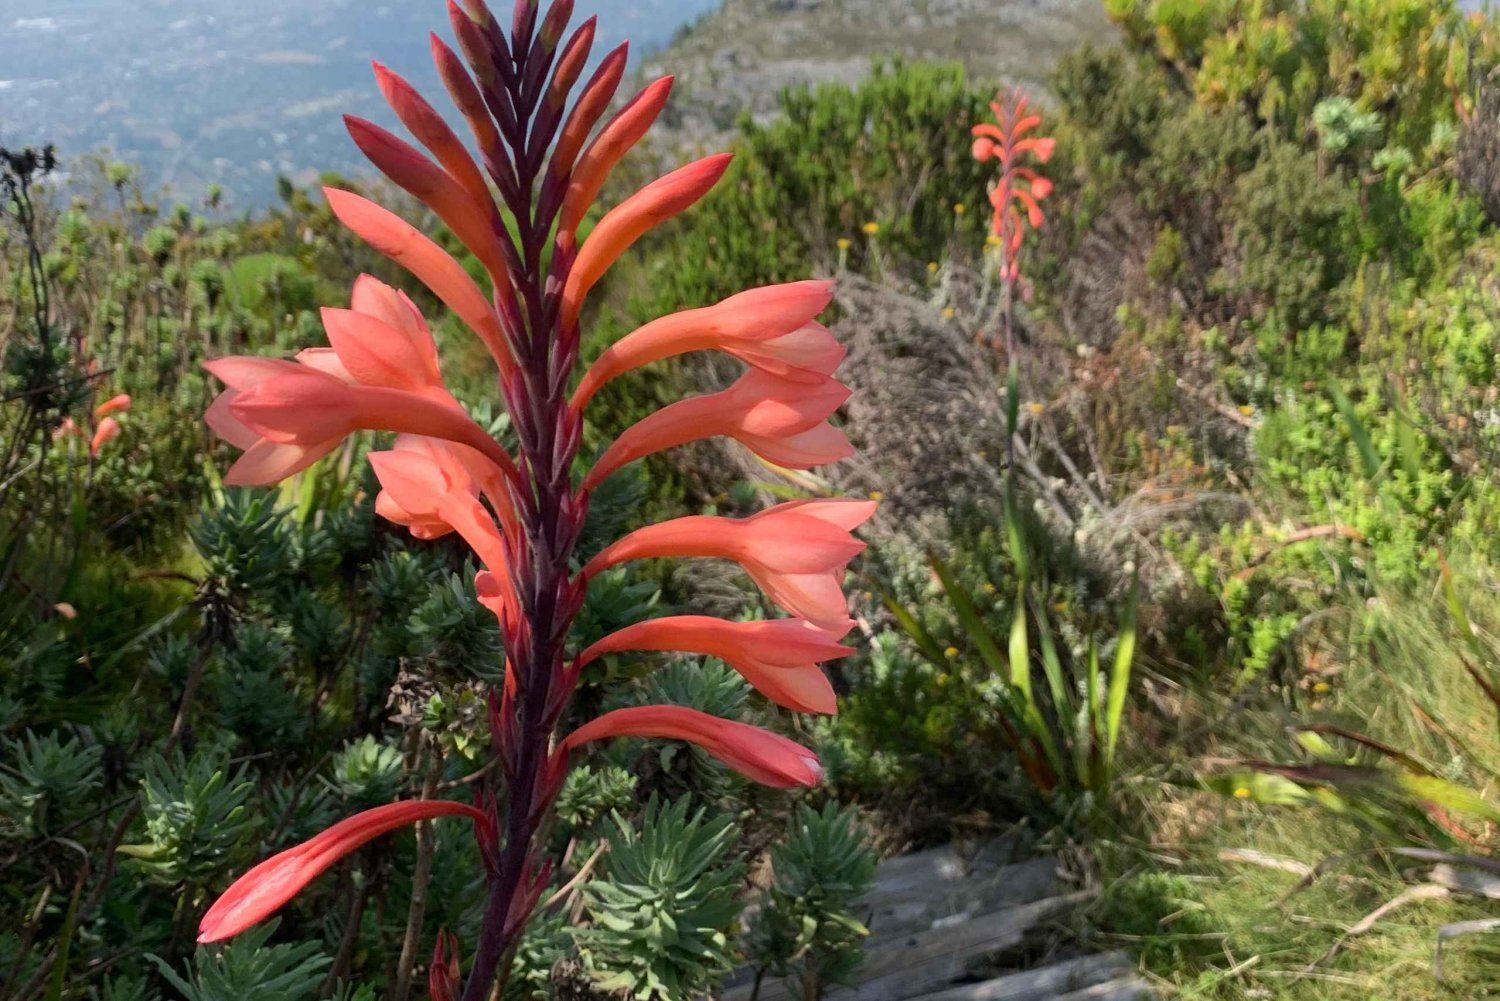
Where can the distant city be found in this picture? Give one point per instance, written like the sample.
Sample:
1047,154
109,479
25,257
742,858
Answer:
200,92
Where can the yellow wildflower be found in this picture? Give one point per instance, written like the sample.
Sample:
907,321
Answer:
951,652
1242,793
1246,409
992,240
958,208
949,312
871,228
877,496
845,243
932,267
1322,687
1035,408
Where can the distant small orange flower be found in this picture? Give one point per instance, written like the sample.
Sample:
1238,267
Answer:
1018,187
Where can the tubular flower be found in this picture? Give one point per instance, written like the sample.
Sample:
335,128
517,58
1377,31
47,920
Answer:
780,657
260,892
757,754
771,328
1018,188
113,405
107,431
796,552
514,189
768,415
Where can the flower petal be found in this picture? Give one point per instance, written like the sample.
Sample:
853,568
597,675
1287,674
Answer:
631,219
264,889
759,755
432,265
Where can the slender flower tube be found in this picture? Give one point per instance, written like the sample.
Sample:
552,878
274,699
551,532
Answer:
107,431
795,552
780,657
113,405
262,891
542,151
757,754
771,328
761,411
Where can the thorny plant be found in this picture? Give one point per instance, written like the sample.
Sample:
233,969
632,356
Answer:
522,514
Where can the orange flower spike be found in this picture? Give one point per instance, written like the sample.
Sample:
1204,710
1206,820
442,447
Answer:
263,890
746,325
779,657
430,264
113,405
758,411
633,218
757,754
616,139
107,431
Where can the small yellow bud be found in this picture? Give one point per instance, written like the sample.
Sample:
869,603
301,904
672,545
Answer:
845,243
877,496
1242,793
871,228
958,208
1246,409
951,652
988,588
1322,687
932,267
993,240
1035,408
949,312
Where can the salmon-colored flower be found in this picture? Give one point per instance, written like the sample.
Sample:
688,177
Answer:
796,552
427,485
113,405
107,431
262,891
633,218
770,328
290,404
769,415
757,754
780,657
430,264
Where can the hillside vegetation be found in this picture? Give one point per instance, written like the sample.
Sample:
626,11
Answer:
1191,580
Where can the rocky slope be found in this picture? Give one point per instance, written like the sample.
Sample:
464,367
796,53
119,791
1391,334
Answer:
739,57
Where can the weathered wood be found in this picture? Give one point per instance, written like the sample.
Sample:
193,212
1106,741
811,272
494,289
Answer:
905,967
946,904
948,864
1124,989
1041,984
